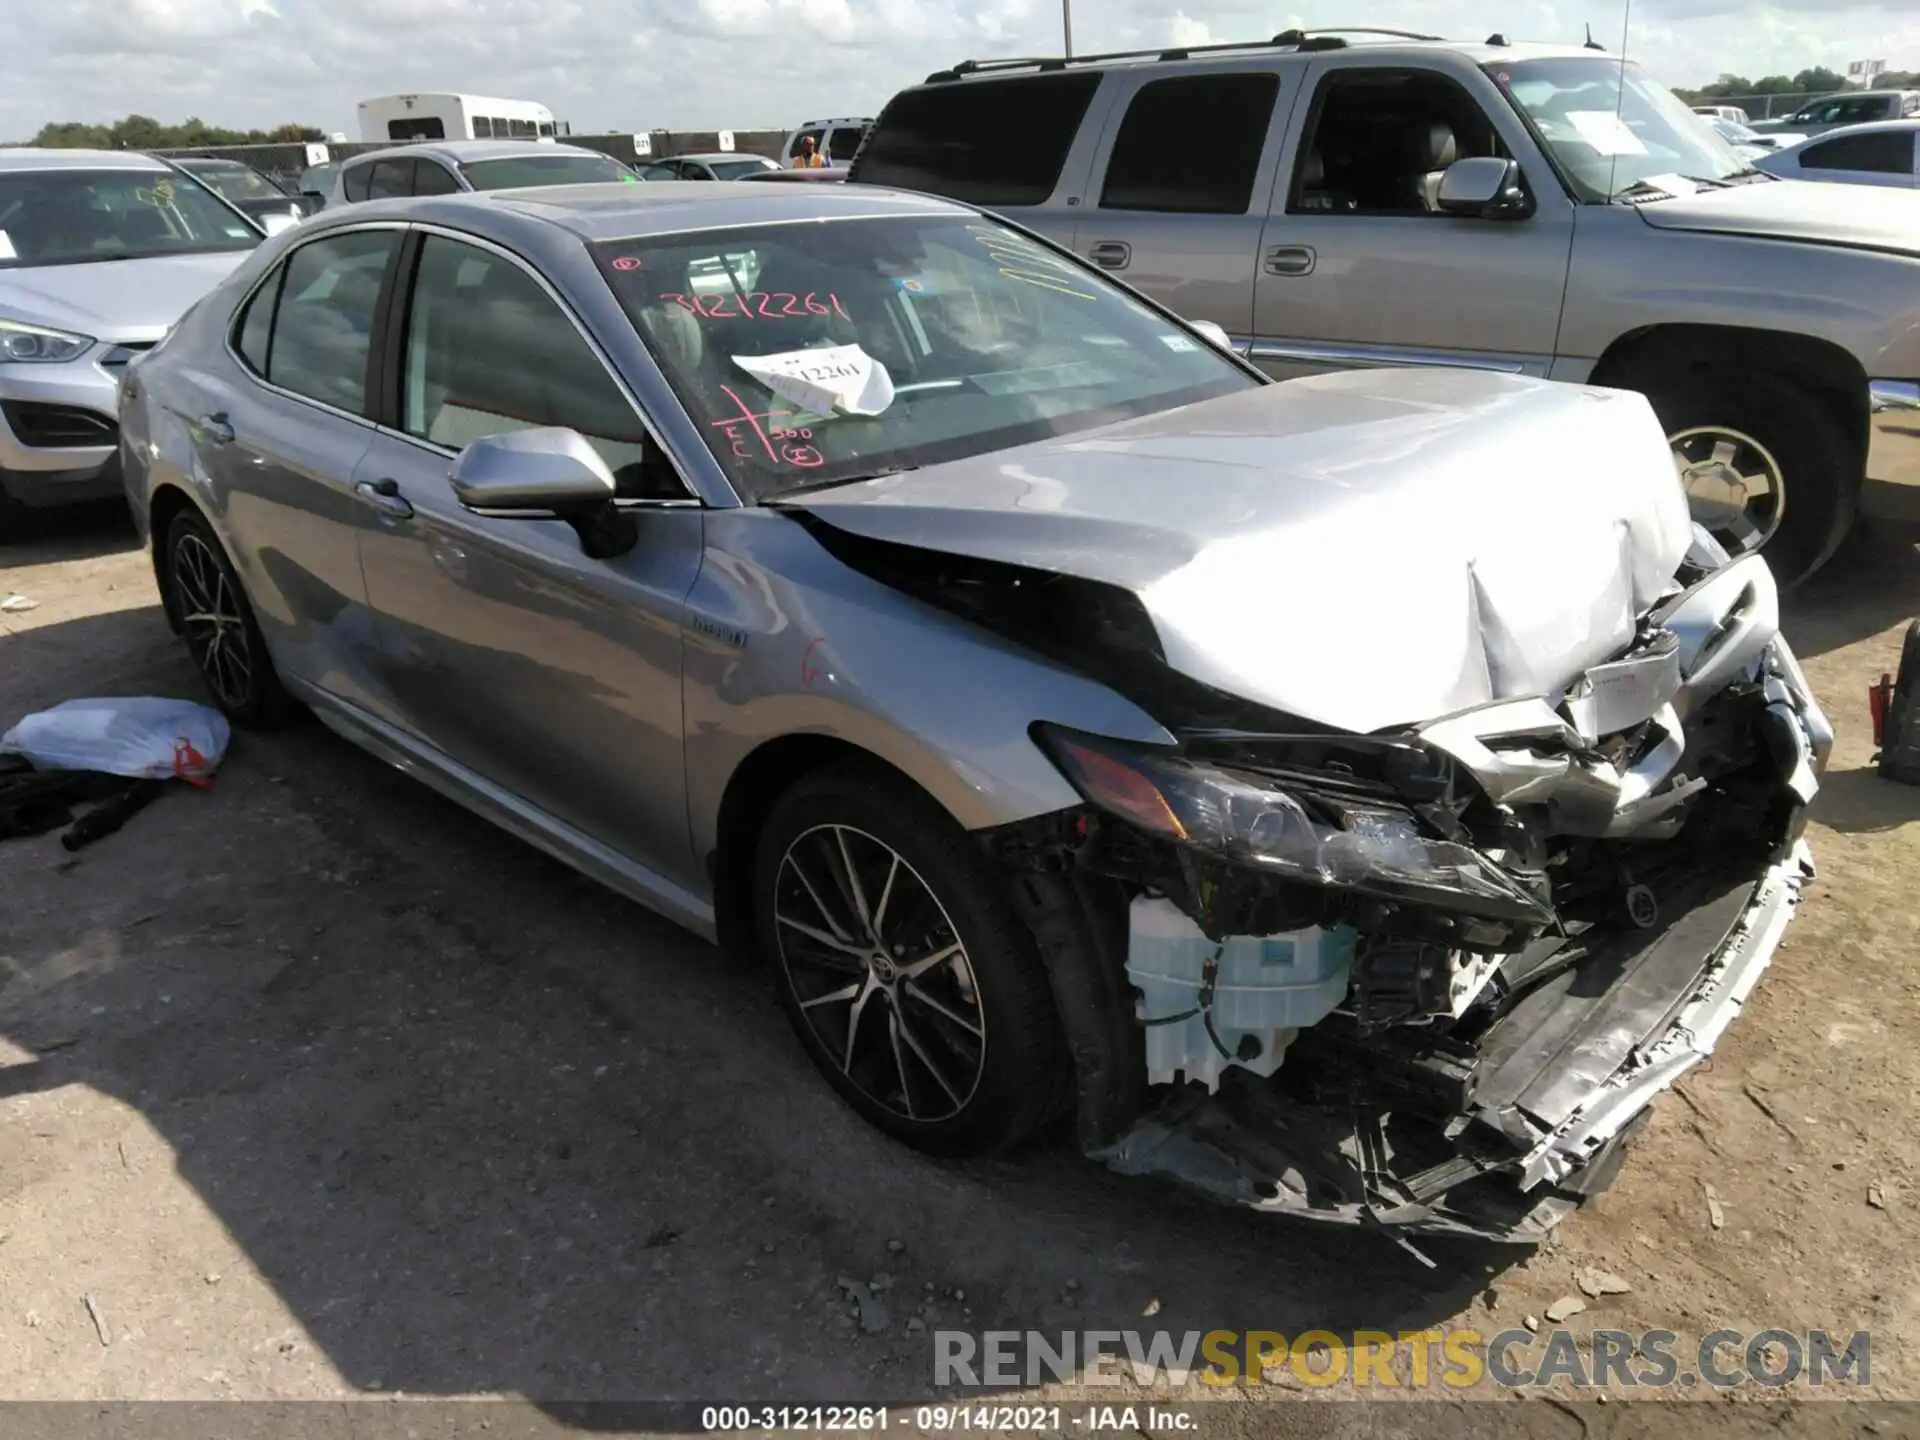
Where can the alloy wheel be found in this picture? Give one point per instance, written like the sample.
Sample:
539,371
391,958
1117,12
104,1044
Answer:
211,619
1733,485
879,973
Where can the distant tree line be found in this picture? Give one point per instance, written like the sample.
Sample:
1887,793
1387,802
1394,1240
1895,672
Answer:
1817,81
141,132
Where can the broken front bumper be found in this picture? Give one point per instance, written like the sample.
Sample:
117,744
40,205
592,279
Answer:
1562,1078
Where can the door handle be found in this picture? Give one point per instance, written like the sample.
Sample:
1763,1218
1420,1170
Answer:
384,495
1290,260
215,427
1110,254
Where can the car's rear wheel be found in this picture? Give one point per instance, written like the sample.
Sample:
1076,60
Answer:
901,964
204,595
1765,465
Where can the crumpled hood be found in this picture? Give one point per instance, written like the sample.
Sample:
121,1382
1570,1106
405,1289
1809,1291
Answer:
1867,217
115,299
1366,550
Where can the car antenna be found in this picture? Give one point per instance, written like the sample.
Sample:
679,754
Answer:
1593,44
1620,90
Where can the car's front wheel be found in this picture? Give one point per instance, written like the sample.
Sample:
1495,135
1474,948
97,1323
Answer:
1765,465
901,964
205,599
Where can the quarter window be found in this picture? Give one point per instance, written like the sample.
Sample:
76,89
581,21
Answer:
323,325
256,324
354,185
1191,144
489,352
1878,152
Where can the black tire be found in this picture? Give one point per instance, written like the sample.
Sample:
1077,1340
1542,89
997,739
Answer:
1819,466
1018,1051
1900,735
229,653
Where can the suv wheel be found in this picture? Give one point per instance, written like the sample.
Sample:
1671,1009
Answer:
1765,466
901,964
204,596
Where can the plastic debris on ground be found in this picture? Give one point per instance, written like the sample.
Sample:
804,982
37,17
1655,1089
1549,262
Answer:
114,754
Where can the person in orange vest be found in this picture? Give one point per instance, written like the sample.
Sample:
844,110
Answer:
809,157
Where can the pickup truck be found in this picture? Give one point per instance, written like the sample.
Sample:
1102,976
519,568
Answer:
1343,199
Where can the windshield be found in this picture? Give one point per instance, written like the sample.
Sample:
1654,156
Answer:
734,169
236,182
812,354
74,217
1609,127
520,172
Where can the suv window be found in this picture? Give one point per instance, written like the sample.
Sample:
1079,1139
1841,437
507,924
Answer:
323,324
1879,152
488,351
842,143
1191,144
390,179
988,142
1379,140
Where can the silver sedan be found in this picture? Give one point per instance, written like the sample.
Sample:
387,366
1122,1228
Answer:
1330,808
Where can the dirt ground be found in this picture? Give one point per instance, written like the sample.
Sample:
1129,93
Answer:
314,1086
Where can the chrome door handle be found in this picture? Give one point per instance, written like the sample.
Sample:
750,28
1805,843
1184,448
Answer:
215,427
1290,260
1110,254
384,495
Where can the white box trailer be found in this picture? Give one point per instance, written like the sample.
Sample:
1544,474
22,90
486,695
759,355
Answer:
446,116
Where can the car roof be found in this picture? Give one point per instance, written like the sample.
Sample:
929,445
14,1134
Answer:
28,158
465,151
1865,127
615,210
709,155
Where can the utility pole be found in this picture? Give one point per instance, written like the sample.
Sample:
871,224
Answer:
1066,24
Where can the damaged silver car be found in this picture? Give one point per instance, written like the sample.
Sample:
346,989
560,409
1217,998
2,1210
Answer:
1355,797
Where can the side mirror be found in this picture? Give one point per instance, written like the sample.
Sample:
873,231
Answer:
1483,187
1215,334
550,473
279,221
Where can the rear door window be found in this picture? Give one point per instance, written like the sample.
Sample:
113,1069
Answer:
323,326
433,179
390,179
987,142
1878,152
1191,144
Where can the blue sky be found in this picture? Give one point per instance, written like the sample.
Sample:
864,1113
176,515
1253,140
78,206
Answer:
641,64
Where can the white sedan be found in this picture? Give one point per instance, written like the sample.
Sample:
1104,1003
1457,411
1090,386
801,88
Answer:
1885,152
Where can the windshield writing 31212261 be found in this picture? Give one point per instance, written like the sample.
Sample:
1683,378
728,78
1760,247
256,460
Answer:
758,305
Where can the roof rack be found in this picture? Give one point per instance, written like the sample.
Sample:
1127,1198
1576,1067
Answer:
1321,39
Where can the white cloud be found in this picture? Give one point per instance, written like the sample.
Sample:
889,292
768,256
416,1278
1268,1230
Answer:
1186,30
769,62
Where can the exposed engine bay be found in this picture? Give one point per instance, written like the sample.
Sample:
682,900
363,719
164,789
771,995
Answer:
1428,978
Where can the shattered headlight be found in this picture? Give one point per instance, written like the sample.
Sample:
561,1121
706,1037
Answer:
1296,832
